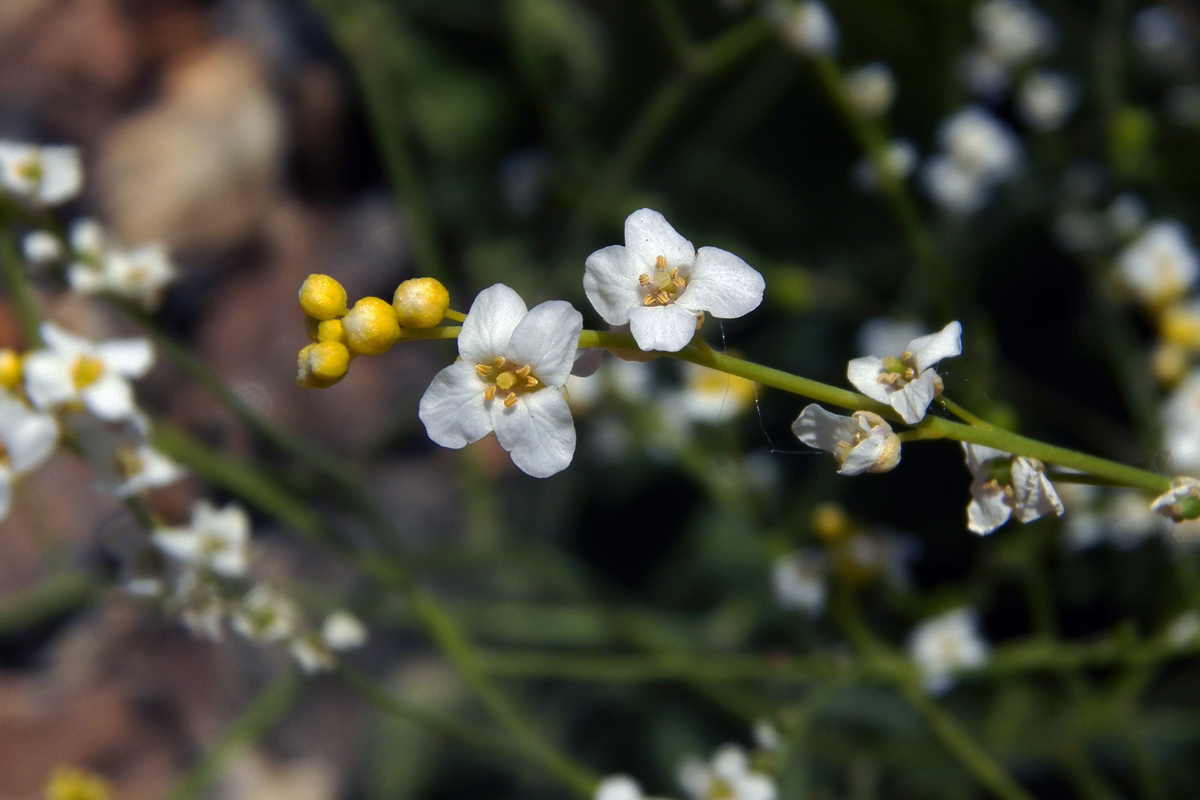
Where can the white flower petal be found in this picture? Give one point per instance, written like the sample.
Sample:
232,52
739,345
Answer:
343,631
537,431
547,339
723,285
667,328
648,235
490,323
914,398
864,455
1033,493
109,398
930,349
817,427
29,437
180,544
48,379
988,510
60,341
62,174
977,455
610,281
618,787
131,358
864,373
85,279
756,786
453,409
730,762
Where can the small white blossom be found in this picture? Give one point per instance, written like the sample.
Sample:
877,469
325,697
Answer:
1046,100
1181,424
343,631
980,152
1161,39
509,380
70,369
1004,486
27,438
41,247
47,175
767,736
871,89
123,460
618,787
799,580
1161,264
946,644
216,539
727,777
139,274
200,604
908,383
808,27
659,284
1184,630
901,160
1013,31
863,442
265,615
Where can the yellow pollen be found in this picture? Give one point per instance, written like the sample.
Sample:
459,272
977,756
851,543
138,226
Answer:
643,280
531,381
660,263
673,275
648,300
506,380
484,370
499,362
508,401
489,393
523,372
678,281
87,370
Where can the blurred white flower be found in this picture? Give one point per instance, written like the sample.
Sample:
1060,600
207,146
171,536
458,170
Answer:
265,615
659,284
72,369
200,604
767,736
947,644
882,336
1161,39
41,247
1013,31
216,540
980,152
808,27
1184,630
1161,264
799,580
901,160
713,396
909,382
139,274
1127,215
727,777
1046,100
871,89
46,175
343,631
863,442
1181,424
1004,486
27,438
618,787
514,363
119,454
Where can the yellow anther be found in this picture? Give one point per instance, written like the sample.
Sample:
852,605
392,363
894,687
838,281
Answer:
498,362
829,522
11,369
421,303
489,393
648,300
321,365
663,298
643,280
331,330
510,400
87,370
322,297
484,370
1180,326
531,381
678,281
68,783
523,371
506,381
673,275
660,263
371,327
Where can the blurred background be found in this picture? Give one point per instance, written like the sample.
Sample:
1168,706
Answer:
480,141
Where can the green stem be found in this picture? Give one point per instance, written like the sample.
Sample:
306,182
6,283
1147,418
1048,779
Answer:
251,725
58,594
29,317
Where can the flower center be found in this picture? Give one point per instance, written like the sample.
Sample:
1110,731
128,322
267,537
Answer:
663,286
30,170
899,372
509,379
127,463
87,370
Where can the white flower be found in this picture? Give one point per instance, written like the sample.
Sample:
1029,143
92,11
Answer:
1013,31
1184,630
139,274
807,27
218,540
343,631
88,240
871,89
201,606
907,383
41,247
509,380
901,160
1046,100
618,787
1181,424
953,188
863,442
266,615
980,145
660,285
1161,39
799,580
124,462
71,369
1161,264
946,644
727,777
767,736
47,175
27,438
1004,486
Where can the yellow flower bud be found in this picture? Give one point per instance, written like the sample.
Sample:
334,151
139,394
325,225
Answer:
829,522
371,327
11,369
322,297
331,330
421,302
321,365
1180,326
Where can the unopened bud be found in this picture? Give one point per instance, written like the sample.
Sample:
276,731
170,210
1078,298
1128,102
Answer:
371,327
331,330
421,303
11,371
322,297
321,365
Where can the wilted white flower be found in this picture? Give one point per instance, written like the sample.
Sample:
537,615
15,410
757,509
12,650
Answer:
907,383
27,438
70,369
1161,264
216,539
265,615
946,644
343,631
863,442
980,152
40,247
1013,31
871,89
659,284
1181,502
1162,40
799,580
47,175
1046,100
1004,486
727,777
901,160
807,27
509,380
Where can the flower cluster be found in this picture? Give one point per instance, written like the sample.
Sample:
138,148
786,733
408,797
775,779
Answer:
733,773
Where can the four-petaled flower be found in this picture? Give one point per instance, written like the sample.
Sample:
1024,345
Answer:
907,383
509,380
727,777
862,442
71,369
945,644
48,175
216,539
1005,486
659,284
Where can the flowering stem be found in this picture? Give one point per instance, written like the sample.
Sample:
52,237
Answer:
21,293
960,412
